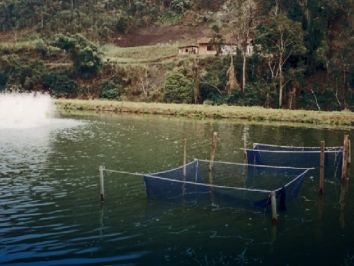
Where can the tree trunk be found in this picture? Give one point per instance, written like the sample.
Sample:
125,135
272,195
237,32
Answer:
196,82
244,68
281,80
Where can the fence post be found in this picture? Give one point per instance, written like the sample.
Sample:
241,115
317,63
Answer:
213,150
322,166
101,170
184,157
274,207
345,157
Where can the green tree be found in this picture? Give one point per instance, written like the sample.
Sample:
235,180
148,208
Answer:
245,21
178,89
280,38
85,55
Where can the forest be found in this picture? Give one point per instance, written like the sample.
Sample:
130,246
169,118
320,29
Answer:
302,59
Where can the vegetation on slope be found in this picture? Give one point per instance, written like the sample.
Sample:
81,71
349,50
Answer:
303,51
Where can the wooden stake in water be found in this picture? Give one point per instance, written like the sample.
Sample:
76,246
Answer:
274,207
245,141
322,166
349,151
101,170
213,150
184,157
345,157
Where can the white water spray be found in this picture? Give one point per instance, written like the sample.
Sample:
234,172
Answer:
25,110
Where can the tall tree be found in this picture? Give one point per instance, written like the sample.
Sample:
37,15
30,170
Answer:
232,84
280,38
245,25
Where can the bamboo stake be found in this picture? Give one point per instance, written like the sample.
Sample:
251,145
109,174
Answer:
184,157
274,208
213,150
322,165
345,158
101,170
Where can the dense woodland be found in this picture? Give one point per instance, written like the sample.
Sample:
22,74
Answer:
303,51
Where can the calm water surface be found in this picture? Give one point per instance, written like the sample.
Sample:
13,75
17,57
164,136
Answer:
50,212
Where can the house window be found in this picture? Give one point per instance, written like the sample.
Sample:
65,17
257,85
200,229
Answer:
210,48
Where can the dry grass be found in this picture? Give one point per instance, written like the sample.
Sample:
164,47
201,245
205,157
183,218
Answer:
344,118
141,54
19,45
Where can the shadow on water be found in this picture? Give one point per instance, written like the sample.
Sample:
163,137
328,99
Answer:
50,212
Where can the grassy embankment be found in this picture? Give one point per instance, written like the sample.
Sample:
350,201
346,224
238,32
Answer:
344,118
141,54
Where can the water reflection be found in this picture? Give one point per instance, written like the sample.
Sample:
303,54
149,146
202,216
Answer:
50,209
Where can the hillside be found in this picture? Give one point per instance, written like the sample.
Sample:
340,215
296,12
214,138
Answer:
302,51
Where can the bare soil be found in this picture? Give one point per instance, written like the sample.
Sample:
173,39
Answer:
162,34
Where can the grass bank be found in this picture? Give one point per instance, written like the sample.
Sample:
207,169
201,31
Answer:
344,118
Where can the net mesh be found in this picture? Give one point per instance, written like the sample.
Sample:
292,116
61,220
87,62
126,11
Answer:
269,147
228,184
264,154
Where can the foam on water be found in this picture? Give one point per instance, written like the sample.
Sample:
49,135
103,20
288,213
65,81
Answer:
25,110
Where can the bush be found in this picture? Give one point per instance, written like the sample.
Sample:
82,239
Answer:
85,55
59,85
254,94
3,81
178,89
122,24
179,6
109,90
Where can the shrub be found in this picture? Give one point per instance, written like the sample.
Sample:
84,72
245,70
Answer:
122,24
85,55
178,89
109,90
179,6
59,85
3,80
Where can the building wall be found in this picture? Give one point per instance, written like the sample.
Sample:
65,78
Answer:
229,49
188,50
207,49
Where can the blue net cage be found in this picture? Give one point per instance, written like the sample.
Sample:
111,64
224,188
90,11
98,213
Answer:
227,184
264,154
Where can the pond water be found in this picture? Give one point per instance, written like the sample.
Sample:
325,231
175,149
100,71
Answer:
50,213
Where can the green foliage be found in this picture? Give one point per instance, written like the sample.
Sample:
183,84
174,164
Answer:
20,72
3,81
109,89
59,85
122,24
179,6
256,94
85,55
178,89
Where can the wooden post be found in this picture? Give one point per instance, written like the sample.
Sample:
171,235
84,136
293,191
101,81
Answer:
184,157
345,157
213,150
322,165
101,170
274,207
349,151
245,141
